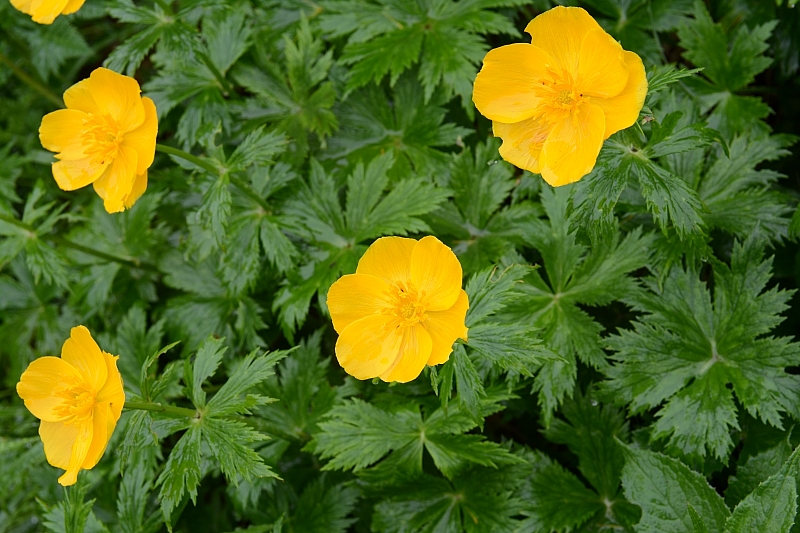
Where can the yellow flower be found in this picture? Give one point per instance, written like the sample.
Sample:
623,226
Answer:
402,309
106,136
78,399
554,101
46,11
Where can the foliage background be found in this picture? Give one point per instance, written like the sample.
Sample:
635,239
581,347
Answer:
631,343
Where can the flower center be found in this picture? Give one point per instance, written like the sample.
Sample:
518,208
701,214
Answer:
78,400
565,98
407,307
559,95
101,138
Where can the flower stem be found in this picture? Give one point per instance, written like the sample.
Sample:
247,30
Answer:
63,241
186,156
32,82
159,408
209,167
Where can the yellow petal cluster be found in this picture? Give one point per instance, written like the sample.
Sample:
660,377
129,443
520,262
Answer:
402,309
78,398
554,101
106,137
46,11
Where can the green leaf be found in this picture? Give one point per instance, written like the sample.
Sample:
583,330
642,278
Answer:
687,350
441,36
231,397
133,498
305,395
697,522
772,506
730,62
575,275
181,474
556,500
479,500
206,362
663,487
591,432
228,441
52,46
662,76
755,469
402,434
325,509
372,122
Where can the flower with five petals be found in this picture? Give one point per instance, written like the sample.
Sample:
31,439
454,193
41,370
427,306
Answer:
106,137
46,11
78,398
554,101
402,309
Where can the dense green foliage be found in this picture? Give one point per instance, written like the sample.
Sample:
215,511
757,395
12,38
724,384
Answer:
631,364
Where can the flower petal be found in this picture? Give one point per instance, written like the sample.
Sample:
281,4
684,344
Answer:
356,296
522,142
23,5
80,449
369,347
415,351
103,426
112,392
46,11
436,274
445,327
38,382
143,138
388,258
602,71
117,182
60,132
82,352
504,88
72,6
139,186
71,175
79,97
118,96
622,110
560,32
571,149
58,439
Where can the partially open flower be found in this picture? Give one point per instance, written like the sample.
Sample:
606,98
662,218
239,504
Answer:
46,11
554,101
402,309
78,398
106,137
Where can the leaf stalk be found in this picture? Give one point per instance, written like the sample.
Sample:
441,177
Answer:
160,408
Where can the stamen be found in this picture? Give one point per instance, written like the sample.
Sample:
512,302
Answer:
78,400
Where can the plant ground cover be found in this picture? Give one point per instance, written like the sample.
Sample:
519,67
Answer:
632,361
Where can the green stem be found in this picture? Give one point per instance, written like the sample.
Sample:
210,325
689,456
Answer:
32,82
202,163
63,241
226,85
159,408
244,187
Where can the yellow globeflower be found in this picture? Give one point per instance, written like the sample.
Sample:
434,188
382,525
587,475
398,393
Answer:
554,101
46,11
402,309
78,399
106,136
